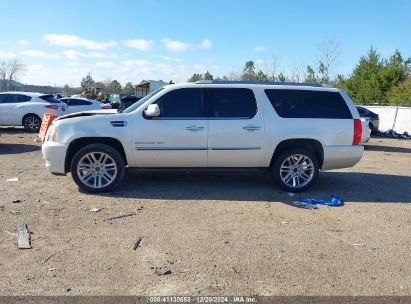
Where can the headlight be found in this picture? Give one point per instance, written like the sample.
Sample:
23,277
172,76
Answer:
53,135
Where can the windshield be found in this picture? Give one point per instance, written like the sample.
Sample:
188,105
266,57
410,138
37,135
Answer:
141,101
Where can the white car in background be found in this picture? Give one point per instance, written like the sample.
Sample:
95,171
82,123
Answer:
27,109
78,104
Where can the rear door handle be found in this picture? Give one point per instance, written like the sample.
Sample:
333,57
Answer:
252,128
194,128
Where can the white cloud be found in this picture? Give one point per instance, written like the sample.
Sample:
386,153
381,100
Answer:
76,55
105,64
259,48
39,54
139,44
168,58
205,44
259,61
23,42
200,68
96,55
174,45
7,55
75,41
72,63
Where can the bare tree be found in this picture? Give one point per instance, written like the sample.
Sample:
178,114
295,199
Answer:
271,70
9,71
330,51
297,73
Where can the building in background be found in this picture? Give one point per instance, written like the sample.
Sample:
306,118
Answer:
145,87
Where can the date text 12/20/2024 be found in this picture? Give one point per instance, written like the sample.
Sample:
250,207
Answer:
202,299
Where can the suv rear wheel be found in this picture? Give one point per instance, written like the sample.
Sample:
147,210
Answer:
97,168
295,170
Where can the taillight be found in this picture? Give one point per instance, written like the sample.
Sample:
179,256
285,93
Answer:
105,107
53,107
357,132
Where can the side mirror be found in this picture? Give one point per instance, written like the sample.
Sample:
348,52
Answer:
152,110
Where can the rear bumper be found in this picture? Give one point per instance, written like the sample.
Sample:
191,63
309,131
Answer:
54,154
341,156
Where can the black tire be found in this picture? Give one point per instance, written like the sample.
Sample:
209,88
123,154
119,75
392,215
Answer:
276,169
98,149
31,123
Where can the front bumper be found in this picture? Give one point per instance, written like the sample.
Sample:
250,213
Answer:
54,154
342,156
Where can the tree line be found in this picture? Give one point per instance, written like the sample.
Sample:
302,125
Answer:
374,80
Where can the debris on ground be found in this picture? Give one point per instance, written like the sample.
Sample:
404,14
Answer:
163,270
344,240
334,201
303,205
16,201
50,256
392,134
1,207
13,179
119,217
137,243
24,237
95,210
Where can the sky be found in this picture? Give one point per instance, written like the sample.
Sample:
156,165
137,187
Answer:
61,41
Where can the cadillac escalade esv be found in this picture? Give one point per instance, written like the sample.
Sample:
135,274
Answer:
292,130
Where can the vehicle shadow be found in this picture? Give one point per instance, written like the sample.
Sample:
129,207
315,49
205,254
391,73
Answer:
17,148
13,130
254,186
387,149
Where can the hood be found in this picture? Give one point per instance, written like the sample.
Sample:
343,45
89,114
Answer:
88,113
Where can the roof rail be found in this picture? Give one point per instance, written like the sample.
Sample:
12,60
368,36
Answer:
262,83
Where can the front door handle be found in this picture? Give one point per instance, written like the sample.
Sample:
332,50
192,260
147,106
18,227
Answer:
252,128
194,128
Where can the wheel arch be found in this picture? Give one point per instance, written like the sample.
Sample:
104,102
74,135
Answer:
81,142
310,144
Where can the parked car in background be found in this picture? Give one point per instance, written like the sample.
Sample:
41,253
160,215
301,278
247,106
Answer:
366,131
374,119
27,109
291,130
127,101
83,104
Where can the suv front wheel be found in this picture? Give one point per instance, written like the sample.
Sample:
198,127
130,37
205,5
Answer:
97,168
295,170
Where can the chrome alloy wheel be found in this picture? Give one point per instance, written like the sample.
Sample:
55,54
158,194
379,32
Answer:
97,170
297,170
32,123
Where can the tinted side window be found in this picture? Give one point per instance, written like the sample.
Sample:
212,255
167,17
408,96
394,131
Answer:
181,103
16,98
231,103
65,100
79,102
308,104
3,98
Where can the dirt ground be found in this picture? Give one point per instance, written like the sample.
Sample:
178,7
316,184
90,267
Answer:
221,233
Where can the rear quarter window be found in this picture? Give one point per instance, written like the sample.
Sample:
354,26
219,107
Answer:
308,104
50,98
